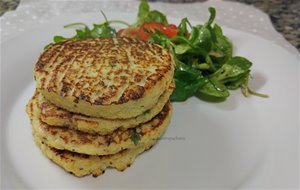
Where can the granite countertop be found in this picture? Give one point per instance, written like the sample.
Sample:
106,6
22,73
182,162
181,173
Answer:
284,14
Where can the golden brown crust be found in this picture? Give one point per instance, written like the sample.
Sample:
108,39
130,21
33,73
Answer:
52,115
82,164
101,72
92,144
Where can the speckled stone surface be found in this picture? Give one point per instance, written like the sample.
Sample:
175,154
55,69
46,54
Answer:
284,14
7,5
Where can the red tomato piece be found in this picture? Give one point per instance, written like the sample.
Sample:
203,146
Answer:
142,32
170,30
148,26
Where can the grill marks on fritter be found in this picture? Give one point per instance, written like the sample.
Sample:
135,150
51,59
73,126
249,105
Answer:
62,56
102,71
76,71
66,85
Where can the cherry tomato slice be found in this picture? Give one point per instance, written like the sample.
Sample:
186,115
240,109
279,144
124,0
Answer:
170,30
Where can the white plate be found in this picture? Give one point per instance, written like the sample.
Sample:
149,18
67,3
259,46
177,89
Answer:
242,142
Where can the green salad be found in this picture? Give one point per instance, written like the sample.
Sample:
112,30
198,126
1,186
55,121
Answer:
204,62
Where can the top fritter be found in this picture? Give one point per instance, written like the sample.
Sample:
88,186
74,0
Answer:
104,77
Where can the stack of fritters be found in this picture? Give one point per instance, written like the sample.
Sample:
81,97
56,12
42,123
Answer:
100,102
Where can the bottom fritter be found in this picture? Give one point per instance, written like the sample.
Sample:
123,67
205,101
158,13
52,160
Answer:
83,164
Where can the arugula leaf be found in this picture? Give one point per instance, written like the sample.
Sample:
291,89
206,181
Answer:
103,30
182,48
98,30
187,83
247,91
187,80
57,39
214,89
156,16
143,10
239,82
222,50
232,75
212,16
183,30
232,70
201,38
218,30
145,15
